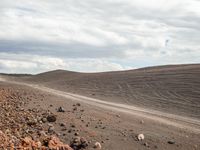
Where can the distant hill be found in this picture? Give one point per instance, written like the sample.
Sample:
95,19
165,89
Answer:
15,75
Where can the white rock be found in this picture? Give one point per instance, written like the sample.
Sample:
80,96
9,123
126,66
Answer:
140,137
97,145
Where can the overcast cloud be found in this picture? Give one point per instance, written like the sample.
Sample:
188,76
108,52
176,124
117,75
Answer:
91,35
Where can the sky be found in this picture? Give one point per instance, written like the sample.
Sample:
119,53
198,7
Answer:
96,36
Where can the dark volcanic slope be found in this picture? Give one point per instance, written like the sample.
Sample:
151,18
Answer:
174,89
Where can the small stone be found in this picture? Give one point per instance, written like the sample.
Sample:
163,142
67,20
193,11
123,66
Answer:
118,116
140,137
84,142
50,125
70,131
61,109
64,129
171,142
51,129
97,145
31,123
75,143
44,120
73,126
76,134
42,133
146,144
51,118
75,108
58,134
78,104
38,144
62,124
64,134
79,143
7,131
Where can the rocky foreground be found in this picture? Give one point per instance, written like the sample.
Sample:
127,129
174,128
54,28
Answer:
22,128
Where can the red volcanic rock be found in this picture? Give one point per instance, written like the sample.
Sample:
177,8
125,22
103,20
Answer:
56,144
4,140
27,142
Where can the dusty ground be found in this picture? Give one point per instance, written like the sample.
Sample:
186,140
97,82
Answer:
114,126
114,130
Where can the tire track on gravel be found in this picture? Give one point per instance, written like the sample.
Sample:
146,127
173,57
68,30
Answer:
190,124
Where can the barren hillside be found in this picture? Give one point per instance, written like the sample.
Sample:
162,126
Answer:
174,89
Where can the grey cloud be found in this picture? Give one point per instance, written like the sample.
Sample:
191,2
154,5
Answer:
121,29
72,50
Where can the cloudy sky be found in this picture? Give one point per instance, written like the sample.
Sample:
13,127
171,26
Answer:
91,35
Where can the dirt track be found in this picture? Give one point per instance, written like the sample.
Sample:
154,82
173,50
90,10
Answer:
169,119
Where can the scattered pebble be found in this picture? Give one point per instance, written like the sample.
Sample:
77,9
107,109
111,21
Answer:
61,109
51,129
140,137
76,134
62,124
171,142
79,143
146,144
118,116
51,118
97,145
44,120
78,104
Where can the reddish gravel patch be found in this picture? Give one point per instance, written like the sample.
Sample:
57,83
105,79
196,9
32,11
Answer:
21,128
